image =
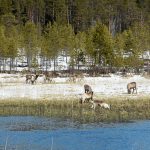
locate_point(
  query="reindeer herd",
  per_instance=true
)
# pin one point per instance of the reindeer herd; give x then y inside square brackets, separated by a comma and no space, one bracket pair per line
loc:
[87,96]
[32,78]
[49,78]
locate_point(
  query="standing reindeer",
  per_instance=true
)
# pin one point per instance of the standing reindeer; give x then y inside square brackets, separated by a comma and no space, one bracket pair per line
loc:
[131,86]
[34,78]
[28,78]
[31,78]
[87,88]
[46,78]
[86,97]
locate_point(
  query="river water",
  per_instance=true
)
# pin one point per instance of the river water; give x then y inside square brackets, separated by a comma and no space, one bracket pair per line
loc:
[38,133]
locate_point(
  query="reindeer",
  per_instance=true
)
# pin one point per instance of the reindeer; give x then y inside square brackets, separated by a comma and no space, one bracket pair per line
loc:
[130,86]
[49,77]
[46,78]
[28,78]
[34,78]
[86,97]
[87,88]
[99,103]
[71,79]
[31,78]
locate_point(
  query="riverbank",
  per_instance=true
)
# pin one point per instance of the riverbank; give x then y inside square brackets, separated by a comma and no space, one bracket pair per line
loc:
[121,111]
[61,98]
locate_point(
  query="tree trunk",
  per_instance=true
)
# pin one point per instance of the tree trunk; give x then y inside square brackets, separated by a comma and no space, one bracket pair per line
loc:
[148,67]
[16,66]
[46,63]
[29,61]
[54,64]
[0,65]
[10,65]
[3,64]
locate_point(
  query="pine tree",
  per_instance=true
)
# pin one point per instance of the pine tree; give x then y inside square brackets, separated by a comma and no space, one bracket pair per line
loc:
[30,41]
[119,45]
[103,44]
[131,49]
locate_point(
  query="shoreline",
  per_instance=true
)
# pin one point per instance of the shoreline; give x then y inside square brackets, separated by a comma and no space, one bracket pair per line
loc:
[121,111]
[77,97]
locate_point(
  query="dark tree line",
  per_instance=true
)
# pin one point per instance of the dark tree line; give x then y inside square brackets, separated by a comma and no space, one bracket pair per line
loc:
[117,15]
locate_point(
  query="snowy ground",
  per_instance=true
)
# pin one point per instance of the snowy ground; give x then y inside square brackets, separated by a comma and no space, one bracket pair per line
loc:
[14,86]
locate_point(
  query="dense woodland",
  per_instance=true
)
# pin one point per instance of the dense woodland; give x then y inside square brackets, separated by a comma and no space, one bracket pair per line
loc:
[102,30]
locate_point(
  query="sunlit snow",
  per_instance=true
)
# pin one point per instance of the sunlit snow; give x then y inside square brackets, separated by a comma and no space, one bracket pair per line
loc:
[14,86]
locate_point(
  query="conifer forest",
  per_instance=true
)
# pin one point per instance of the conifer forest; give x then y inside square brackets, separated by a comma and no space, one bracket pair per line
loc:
[94,33]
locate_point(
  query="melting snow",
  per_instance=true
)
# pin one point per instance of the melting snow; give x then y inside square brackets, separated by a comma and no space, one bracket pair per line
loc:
[14,86]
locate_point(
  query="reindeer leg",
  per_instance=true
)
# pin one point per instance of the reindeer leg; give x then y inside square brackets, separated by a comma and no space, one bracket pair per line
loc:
[27,80]
[133,91]
[94,106]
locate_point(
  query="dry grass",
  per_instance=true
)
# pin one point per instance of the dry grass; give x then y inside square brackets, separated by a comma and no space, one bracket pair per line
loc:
[121,110]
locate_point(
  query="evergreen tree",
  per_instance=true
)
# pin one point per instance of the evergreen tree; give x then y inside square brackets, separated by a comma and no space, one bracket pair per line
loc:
[119,45]
[103,44]
[79,48]
[30,41]
[131,50]
[52,45]
[2,42]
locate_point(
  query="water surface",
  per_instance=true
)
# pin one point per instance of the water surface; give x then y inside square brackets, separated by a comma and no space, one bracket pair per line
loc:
[37,133]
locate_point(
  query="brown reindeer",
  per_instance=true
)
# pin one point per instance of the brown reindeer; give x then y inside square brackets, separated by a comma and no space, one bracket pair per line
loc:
[71,79]
[48,78]
[87,88]
[131,86]
[99,103]
[28,78]
[86,97]
[31,78]
[34,78]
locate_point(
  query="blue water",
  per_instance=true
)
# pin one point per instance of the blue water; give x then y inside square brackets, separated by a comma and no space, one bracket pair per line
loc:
[35,133]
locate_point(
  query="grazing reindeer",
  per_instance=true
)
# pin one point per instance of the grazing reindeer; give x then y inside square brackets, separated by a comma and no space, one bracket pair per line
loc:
[49,77]
[34,78]
[30,78]
[46,78]
[130,86]
[87,88]
[99,103]
[71,79]
[86,96]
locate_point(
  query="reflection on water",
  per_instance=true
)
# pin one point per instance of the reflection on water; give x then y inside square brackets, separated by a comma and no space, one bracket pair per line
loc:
[35,133]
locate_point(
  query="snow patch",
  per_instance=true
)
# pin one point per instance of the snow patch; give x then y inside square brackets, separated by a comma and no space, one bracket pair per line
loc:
[14,86]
